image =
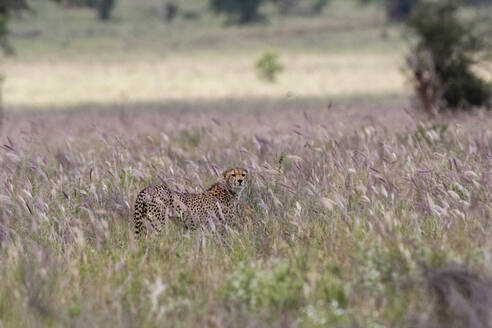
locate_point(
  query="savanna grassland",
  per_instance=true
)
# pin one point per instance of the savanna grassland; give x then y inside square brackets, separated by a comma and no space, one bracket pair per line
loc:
[361,213]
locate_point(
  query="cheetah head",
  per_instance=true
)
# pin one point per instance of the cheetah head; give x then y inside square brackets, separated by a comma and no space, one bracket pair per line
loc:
[236,178]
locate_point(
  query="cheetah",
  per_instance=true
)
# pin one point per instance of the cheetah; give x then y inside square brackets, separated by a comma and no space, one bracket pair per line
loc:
[155,204]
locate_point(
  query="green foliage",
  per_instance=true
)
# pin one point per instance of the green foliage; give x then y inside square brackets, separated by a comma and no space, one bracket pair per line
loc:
[238,11]
[268,66]
[260,289]
[331,287]
[443,58]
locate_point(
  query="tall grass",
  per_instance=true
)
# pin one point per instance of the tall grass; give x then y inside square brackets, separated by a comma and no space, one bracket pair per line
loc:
[368,228]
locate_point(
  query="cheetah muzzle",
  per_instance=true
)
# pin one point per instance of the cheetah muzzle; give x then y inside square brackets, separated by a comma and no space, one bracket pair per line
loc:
[155,204]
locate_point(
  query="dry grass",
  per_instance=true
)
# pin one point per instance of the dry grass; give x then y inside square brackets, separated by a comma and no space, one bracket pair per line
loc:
[179,78]
[347,228]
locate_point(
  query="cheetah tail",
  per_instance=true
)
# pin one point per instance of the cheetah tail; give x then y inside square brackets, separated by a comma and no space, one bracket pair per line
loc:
[139,214]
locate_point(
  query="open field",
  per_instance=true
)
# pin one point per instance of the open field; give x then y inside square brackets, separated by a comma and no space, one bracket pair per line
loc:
[66,58]
[362,213]
[366,228]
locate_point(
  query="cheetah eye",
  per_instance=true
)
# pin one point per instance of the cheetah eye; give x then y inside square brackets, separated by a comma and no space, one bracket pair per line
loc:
[233,175]
[244,175]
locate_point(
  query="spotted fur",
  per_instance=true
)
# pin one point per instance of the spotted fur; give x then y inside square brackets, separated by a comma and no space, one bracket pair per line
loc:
[155,204]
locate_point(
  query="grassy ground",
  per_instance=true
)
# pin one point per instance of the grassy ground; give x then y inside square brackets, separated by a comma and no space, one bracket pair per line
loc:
[370,229]
[360,214]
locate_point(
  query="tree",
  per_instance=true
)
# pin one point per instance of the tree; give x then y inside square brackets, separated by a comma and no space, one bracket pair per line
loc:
[238,11]
[443,58]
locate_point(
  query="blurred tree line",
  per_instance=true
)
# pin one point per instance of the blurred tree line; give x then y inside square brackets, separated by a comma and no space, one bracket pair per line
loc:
[396,10]
[103,7]
[247,11]
[400,10]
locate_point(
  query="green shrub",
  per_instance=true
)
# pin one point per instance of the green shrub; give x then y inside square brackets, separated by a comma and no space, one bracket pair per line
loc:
[268,66]
[442,60]
[278,288]
[331,289]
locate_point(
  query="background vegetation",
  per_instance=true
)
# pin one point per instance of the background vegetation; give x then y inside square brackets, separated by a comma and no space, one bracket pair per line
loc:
[360,214]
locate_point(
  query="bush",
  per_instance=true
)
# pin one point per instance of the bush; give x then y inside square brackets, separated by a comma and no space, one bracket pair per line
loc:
[442,59]
[268,66]
[238,11]
[260,289]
